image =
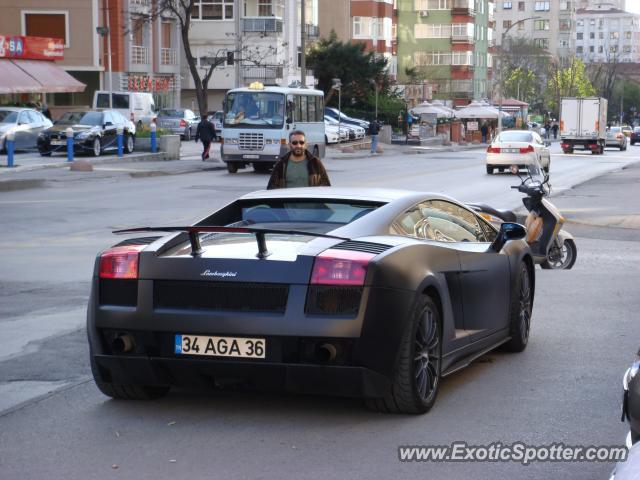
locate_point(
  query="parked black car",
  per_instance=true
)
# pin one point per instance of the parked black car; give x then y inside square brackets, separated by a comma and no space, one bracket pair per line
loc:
[631,401]
[635,136]
[94,132]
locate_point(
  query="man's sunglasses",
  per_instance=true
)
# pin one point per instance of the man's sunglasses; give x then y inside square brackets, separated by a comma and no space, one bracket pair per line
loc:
[297,142]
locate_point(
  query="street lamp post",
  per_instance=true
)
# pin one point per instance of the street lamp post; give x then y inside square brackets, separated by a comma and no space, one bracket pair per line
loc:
[106,32]
[502,38]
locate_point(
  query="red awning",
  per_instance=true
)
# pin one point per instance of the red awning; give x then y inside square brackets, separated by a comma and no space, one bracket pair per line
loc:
[36,76]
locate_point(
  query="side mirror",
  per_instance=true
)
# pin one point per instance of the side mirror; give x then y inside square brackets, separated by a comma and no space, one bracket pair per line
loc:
[108,124]
[508,231]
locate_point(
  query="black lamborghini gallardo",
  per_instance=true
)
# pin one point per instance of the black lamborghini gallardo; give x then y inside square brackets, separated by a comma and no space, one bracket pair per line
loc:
[359,292]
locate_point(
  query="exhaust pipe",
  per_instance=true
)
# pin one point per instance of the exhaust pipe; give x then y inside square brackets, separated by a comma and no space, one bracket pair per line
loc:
[327,352]
[122,344]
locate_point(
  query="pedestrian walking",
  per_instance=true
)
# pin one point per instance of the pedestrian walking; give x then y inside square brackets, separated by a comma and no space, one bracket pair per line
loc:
[555,129]
[206,133]
[298,167]
[374,130]
[484,130]
[409,125]
[547,130]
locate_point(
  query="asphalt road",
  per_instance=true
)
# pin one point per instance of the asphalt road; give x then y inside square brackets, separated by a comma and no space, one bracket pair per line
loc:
[564,388]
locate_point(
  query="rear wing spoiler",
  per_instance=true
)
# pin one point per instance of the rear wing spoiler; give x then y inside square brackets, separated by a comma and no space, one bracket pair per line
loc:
[195,231]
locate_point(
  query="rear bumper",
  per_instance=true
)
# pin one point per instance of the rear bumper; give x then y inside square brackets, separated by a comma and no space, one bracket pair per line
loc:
[510,159]
[346,381]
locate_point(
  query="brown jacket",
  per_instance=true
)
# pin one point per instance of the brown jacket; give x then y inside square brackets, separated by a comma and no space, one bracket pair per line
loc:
[317,174]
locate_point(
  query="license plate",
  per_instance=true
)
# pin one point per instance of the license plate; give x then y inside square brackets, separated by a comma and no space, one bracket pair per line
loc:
[251,156]
[511,150]
[220,346]
[58,142]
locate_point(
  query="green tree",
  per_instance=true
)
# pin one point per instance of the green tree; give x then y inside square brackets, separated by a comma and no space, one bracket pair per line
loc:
[522,84]
[571,81]
[331,58]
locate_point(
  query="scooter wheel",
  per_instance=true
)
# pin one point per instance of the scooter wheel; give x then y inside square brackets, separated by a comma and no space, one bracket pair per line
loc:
[565,260]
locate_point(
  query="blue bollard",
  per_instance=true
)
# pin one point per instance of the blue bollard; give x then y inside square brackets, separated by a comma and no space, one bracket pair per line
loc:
[10,148]
[154,139]
[119,131]
[69,133]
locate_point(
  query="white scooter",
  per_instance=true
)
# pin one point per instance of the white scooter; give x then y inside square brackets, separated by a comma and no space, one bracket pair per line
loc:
[552,247]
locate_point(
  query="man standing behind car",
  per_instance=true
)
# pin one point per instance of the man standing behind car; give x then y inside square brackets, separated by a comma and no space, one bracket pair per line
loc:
[207,133]
[374,129]
[298,167]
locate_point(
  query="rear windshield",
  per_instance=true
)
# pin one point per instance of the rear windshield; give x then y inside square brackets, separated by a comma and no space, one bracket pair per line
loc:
[171,113]
[615,129]
[515,137]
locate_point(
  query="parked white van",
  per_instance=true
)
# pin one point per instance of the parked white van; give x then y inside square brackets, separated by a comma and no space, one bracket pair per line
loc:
[138,107]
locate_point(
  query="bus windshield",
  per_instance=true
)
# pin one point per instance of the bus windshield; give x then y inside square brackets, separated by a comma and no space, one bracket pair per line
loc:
[257,109]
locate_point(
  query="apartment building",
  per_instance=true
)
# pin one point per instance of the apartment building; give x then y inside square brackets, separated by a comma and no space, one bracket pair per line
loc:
[607,34]
[264,37]
[73,21]
[549,24]
[371,22]
[448,43]
[145,50]
[619,4]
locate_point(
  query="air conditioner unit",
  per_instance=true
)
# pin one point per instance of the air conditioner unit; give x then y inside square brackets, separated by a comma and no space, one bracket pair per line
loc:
[424,13]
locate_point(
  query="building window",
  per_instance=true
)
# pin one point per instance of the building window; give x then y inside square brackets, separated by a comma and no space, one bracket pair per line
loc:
[137,32]
[541,42]
[521,6]
[579,35]
[579,23]
[541,25]
[507,6]
[592,35]
[614,35]
[506,24]
[627,35]
[600,49]
[421,5]
[613,49]
[212,10]
[357,26]
[542,7]
[579,49]
[565,6]
[265,8]
[46,24]
[626,49]
[601,35]
[565,25]
[521,26]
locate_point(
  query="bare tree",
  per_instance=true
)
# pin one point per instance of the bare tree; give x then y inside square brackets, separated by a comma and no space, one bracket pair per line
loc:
[181,10]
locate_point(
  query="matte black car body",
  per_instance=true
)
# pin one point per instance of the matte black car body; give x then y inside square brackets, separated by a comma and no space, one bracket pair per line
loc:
[92,139]
[471,284]
[631,401]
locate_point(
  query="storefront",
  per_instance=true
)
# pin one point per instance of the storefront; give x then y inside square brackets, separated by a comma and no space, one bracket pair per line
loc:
[28,70]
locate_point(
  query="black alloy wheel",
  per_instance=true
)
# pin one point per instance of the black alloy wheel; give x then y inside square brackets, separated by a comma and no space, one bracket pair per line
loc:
[520,311]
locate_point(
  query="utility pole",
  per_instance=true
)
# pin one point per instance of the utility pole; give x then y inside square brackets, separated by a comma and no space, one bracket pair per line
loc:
[238,43]
[109,56]
[303,44]
[504,35]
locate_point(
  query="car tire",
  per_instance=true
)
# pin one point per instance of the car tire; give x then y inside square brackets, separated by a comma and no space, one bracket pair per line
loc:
[187,134]
[568,151]
[130,144]
[489,170]
[635,436]
[572,255]
[45,154]
[520,310]
[415,392]
[97,147]
[126,392]
[232,167]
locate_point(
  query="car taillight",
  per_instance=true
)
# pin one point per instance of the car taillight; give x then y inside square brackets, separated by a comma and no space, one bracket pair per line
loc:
[340,267]
[120,262]
[493,150]
[619,136]
[528,149]
[183,122]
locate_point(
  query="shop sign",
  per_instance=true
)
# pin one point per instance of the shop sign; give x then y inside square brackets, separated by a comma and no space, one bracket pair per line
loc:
[31,48]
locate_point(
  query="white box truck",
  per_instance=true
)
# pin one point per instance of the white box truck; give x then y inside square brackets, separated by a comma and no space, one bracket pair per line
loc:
[583,124]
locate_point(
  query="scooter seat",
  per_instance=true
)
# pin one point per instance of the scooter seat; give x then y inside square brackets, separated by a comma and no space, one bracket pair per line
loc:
[504,215]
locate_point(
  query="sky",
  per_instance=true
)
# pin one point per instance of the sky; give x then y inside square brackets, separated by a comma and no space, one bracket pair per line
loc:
[633,6]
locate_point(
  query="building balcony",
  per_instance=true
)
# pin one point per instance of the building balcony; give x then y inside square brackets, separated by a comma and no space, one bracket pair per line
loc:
[262,24]
[463,7]
[268,74]
[168,56]
[139,6]
[462,38]
[139,55]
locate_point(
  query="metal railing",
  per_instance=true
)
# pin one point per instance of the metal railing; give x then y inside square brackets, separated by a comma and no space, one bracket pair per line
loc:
[262,24]
[168,56]
[268,74]
[139,55]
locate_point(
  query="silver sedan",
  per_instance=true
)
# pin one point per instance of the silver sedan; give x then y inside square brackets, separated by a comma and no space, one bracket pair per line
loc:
[25,123]
[180,121]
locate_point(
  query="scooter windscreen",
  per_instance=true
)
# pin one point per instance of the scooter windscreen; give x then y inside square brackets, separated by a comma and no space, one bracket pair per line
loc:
[535,173]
